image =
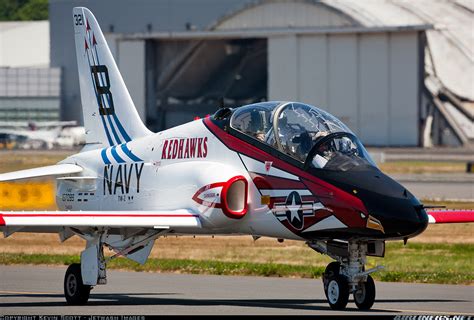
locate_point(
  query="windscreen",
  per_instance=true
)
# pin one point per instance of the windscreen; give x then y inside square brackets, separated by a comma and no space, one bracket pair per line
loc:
[294,129]
[299,126]
[339,152]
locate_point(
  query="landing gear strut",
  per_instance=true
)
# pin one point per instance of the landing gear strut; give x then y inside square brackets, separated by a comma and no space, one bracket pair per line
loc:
[347,275]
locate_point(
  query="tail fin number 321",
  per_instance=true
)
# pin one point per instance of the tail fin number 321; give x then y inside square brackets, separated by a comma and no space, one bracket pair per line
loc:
[78,21]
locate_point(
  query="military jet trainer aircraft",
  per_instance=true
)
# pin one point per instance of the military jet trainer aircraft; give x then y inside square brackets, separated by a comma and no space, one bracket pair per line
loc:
[285,170]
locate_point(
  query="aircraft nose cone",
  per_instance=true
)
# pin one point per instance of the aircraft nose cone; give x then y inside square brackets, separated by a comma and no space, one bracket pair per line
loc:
[393,211]
[407,220]
[422,219]
[399,212]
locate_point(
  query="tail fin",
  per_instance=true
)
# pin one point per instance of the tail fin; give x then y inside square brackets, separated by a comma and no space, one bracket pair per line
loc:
[110,117]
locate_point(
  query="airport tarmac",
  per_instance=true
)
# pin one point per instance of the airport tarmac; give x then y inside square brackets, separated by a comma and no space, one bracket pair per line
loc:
[38,290]
[450,191]
[453,186]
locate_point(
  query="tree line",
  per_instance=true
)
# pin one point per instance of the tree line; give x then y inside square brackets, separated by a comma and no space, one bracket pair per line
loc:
[23,10]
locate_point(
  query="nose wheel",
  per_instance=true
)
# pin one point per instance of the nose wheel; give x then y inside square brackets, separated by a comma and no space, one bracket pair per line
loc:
[364,297]
[337,292]
[332,270]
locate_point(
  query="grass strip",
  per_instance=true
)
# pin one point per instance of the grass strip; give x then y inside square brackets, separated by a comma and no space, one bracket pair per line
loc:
[175,265]
[416,262]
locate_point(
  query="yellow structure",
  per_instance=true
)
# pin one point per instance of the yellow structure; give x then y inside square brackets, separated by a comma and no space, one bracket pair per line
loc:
[27,195]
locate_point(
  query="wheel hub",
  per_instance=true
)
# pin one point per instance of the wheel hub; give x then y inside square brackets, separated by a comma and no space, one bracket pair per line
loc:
[359,295]
[71,284]
[333,292]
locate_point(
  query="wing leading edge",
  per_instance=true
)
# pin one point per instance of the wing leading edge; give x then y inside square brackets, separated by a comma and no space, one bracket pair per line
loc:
[54,170]
[450,216]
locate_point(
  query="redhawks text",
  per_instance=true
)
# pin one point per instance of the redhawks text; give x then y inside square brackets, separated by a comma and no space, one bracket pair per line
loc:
[184,148]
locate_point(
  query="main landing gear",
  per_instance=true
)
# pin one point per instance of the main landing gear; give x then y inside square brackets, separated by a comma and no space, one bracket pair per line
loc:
[347,275]
[81,278]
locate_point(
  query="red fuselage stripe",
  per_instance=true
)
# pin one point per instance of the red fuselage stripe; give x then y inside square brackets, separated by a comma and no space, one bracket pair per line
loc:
[313,183]
[251,151]
[270,182]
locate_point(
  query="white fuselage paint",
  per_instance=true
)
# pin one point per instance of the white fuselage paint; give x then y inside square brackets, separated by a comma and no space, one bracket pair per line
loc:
[176,164]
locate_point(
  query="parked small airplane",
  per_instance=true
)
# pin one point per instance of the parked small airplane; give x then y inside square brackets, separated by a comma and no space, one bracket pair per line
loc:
[285,170]
[44,135]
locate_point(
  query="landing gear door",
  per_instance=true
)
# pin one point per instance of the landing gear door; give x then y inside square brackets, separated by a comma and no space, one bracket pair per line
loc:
[376,248]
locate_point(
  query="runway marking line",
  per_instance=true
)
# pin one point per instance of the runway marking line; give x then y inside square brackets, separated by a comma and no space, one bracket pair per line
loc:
[28,292]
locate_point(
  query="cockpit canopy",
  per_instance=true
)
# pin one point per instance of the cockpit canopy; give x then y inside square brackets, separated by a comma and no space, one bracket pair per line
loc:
[303,132]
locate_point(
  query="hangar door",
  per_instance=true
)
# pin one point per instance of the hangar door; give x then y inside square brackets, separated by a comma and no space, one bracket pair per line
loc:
[188,78]
[371,81]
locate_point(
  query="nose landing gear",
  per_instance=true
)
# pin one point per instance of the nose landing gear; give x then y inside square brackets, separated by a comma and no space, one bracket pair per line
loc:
[347,275]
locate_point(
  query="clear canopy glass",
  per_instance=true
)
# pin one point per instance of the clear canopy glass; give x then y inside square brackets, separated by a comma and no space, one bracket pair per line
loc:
[296,129]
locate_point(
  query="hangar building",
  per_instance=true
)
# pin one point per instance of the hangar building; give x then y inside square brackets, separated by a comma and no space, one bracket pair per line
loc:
[29,88]
[385,68]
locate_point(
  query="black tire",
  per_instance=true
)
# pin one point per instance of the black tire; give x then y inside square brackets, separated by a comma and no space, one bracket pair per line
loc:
[75,291]
[364,297]
[332,269]
[338,292]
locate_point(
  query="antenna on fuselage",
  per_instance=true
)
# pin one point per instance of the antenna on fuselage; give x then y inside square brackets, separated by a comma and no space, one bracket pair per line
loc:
[222,102]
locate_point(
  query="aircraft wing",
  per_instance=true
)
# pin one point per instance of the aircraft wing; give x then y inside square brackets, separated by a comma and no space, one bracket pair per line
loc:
[130,233]
[450,216]
[54,221]
[54,170]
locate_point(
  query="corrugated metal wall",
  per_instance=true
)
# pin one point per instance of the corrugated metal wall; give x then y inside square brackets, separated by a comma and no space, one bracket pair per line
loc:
[369,80]
[281,14]
[29,94]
